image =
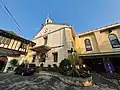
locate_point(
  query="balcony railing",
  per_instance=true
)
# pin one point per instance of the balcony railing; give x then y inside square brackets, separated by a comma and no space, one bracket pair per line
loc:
[13,46]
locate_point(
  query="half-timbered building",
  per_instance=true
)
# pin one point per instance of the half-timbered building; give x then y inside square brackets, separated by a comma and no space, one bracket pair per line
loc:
[12,46]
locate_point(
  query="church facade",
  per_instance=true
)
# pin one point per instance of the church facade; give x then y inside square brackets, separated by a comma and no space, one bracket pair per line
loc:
[52,43]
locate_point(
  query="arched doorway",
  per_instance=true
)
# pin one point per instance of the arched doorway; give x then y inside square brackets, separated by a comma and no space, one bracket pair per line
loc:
[3,61]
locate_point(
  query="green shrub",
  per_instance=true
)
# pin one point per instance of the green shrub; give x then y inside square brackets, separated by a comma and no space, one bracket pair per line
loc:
[65,67]
[14,62]
[64,62]
[54,65]
[49,66]
[41,65]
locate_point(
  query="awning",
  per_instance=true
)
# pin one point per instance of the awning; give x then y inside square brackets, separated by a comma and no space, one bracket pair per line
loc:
[42,48]
[100,54]
[3,59]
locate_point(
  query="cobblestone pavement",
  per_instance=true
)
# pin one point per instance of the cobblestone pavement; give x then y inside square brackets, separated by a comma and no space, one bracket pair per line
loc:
[40,82]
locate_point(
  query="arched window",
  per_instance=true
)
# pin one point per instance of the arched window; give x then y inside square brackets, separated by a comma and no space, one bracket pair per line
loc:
[88,45]
[114,41]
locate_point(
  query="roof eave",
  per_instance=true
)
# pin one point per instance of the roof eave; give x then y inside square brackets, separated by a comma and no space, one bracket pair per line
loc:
[99,29]
[4,31]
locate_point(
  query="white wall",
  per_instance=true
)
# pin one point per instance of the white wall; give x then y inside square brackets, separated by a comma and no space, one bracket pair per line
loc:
[55,39]
[20,60]
[62,53]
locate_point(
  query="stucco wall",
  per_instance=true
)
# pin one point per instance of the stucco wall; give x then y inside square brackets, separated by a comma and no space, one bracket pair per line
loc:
[104,43]
[55,39]
[20,60]
[61,55]
[66,38]
[69,38]
[99,39]
[49,28]
[80,45]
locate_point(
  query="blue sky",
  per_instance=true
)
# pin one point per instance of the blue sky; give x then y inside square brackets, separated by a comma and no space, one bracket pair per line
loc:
[82,14]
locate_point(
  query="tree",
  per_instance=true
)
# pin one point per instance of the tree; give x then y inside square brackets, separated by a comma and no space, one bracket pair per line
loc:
[74,59]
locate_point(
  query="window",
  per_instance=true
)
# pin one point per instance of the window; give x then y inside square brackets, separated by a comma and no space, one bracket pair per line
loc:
[55,56]
[88,45]
[47,20]
[45,40]
[42,57]
[114,41]
[23,45]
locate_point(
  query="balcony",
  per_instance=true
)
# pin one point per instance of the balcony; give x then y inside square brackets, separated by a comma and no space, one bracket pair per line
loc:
[41,49]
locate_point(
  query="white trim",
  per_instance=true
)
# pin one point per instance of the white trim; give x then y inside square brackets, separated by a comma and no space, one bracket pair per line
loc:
[116,49]
[51,32]
[100,54]
[99,29]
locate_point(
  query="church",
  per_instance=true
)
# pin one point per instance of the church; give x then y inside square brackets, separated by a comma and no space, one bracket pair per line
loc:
[98,48]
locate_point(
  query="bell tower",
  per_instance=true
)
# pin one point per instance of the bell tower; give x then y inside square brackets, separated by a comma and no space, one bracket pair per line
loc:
[48,20]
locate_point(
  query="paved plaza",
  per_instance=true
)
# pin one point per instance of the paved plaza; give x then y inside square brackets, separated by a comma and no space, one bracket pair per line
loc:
[9,81]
